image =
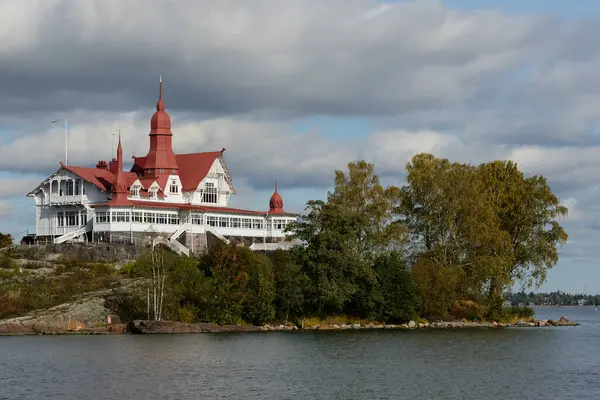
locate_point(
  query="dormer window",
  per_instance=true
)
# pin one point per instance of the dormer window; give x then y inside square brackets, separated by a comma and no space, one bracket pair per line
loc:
[152,193]
[174,188]
[135,191]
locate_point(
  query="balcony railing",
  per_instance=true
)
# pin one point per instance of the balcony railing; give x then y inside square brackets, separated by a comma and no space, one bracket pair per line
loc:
[74,199]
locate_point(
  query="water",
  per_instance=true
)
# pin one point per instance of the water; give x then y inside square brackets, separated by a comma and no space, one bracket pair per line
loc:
[555,363]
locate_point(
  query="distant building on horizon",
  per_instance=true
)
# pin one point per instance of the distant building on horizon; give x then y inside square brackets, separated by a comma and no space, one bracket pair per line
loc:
[168,198]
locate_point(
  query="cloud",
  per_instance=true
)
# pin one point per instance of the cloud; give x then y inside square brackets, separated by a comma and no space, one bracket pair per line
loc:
[252,56]
[467,85]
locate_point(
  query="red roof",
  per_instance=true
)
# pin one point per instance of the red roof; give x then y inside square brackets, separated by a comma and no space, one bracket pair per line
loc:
[100,178]
[193,167]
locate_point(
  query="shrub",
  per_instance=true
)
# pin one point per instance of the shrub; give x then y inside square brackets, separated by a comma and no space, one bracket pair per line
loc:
[516,312]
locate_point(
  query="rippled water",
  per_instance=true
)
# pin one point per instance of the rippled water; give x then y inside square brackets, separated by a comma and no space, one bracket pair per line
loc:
[551,363]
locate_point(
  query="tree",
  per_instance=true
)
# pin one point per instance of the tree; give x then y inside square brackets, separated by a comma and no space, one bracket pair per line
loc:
[396,292]
[6,240]
[261,290]
[228,279]
[290,284]
[455,240]
[488,225]
[528,212]
[344,235]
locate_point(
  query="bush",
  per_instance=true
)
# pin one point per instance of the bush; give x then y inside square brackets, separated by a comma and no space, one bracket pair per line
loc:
[516,313]
[6,262]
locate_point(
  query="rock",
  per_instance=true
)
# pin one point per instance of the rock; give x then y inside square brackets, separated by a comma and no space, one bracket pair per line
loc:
[521,323]
[157,327]
[14,329]
[412,324]
[563,320]
[356,326]
[494,324]
[421,326]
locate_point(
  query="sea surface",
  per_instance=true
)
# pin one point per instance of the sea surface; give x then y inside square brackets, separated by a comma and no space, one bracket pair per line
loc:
[525,363]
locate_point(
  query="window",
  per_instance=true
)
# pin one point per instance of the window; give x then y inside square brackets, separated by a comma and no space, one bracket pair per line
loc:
[101,217]
[135,191]
[247,223]
[153,193]
[149,217]
[161,218]
[77,185]
[279,223]
[173,171]
[61,218]
[162,170]
[69,185]
[197,219]
[257,224]
[120,216]
[234,222]
[212,221]
[82,189]
[136,216]
[223,222]
[173,219]
[174,188]
[210,193]
[54,187]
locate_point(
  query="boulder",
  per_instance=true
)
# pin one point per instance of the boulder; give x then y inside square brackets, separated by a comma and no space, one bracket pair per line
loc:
[412,324]
[356,326]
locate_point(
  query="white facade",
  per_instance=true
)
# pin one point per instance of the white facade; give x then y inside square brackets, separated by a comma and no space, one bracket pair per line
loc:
[69,208]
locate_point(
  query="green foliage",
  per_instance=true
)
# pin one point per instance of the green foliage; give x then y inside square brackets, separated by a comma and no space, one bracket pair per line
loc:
[344,235]
[6,240]
[261,291]
[395,291]
[6,262]
[40,292]
[476,230]
[291,284]
[516,313]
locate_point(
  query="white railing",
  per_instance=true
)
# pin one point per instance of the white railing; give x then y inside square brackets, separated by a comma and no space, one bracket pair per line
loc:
[173,245]
[211,229]
[272,246]
[178,233]
[72,234]
[74,199]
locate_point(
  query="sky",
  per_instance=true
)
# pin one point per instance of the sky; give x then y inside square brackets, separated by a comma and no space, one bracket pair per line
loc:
[296,89]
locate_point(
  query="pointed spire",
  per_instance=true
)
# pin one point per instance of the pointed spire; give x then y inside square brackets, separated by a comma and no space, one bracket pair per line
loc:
[160,105]
[275,185]
[120,150]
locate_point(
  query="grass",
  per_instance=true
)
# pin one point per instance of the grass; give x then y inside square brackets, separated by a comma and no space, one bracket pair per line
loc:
[19,297]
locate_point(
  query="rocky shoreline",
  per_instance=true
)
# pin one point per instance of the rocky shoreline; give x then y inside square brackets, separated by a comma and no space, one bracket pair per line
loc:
[26,327]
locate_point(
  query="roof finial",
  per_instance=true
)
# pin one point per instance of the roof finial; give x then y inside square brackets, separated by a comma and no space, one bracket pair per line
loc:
[275,184]
[160,105]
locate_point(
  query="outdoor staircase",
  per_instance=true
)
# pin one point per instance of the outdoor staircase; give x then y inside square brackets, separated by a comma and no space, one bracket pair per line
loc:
[174,245]
[215,232]
[178,233]
[73,234]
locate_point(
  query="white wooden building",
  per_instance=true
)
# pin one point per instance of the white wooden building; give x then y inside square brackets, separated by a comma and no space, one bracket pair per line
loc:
[174,199]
